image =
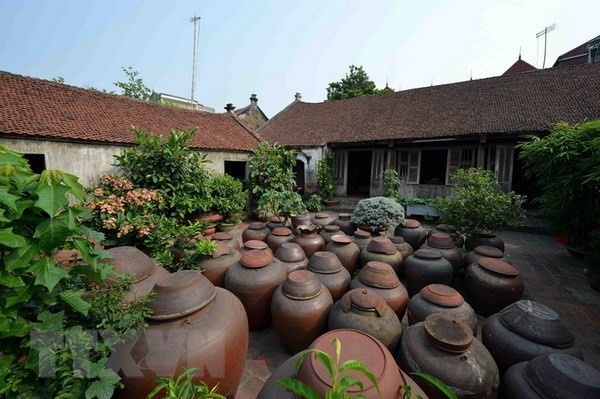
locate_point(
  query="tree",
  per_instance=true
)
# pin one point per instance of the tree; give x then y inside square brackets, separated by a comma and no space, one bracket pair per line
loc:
[355,84]
[134,87]
[59,79]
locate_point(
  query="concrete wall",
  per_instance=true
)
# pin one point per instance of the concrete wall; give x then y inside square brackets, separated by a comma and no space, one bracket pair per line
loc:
[218,159]
[310,157]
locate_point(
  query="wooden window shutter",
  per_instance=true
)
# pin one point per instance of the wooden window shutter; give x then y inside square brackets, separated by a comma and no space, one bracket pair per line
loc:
[414,163]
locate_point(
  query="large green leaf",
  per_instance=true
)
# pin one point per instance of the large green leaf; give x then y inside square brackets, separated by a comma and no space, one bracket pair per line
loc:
[49,321]
[20,258]
[73,298]
[104,387]
[3,219]
[10,281]
[18,328]
[72,182]
[8,199]
[52,234]
[4,323]
[437,383]
[51,198]
[19,294]
[47,273]
[10,239]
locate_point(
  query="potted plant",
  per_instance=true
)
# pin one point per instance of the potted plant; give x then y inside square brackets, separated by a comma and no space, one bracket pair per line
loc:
[377,214]
[229,199]
[280,203]
[326,179]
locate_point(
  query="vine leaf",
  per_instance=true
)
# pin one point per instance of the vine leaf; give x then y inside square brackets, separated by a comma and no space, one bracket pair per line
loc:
[51,198]
[47,273]
[21,257]
[73,298]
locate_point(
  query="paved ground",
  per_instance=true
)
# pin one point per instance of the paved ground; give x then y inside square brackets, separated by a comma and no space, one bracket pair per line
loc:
[551,275]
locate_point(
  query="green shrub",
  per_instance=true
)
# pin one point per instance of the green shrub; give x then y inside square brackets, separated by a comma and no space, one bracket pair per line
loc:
[391,184]
[280,203]
[314,203]
[378,212]
[271,169]
[326,176]
[228,195]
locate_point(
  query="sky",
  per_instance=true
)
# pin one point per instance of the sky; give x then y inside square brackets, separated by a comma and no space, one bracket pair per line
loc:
[279,47]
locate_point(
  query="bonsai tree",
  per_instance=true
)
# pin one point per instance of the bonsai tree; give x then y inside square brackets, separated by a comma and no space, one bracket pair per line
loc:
[378,213]
[325,177]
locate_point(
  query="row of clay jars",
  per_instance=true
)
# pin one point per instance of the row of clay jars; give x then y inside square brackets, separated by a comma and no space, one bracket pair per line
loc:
[381,249]
[292,257]
[412,232]
[309,240]
[330,272]
[345,223]
[424,267]
[444,244]
[255,231]
[278,236]
[216,265]
[483,251]
[458,238]
[445,347]
[347,251]
[328,232]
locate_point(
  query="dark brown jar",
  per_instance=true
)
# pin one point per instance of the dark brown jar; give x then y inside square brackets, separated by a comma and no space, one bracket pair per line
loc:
[300,308]
[487,238]
[458,238]
[381,249]
[444,244]
[328,232]
[524,330]
[278,236]
[330,272]
[253,280]
[206,327]
[309,240]
[275,222]
[298,220]
[216,265]
[439,298]
[483,251]
[362,238]
[444,347]
[292,257]
[255,231]
[492,285]
[255,245]
[347,252]
[424,267]
[402,246]
[344,221]
[412,232]
[554,375]
[228,239]
[380,278]
[321,220]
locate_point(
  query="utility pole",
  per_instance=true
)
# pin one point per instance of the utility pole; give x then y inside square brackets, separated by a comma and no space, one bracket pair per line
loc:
[195,19]
[544,32]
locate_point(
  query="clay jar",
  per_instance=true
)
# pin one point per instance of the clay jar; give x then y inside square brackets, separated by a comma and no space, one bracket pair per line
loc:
[347,252]
[291,256]
[458,238]
[298,220]
[555,375]
[207,329]
[309,240]
[424,267]
[363,310]
[228,239]
[300,308]
[330,272]
[328,232]
[492,285]
[524,330]
[486,238]
[278,236]
[445,347]
[275,222]
[255,245]
[344,221]
[255,231]
[253,280]
[443,243]
[412,232]
[483,251]
[216,265]
[380,278]
[381,249]
[402,246]
[439,298]
[362,238]
[321,220]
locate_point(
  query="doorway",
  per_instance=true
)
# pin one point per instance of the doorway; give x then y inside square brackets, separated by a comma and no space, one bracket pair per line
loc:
[359,173]
[299,176]
[433,167]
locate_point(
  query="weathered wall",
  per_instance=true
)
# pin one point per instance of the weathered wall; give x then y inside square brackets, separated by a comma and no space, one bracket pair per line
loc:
[310,157]
[218,159]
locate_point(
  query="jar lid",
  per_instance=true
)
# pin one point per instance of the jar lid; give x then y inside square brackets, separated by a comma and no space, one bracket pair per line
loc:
[256,258]
[536,322]
[426,253]
[331,228]
[381,245]
[222,236]
[440,240]
[180,294]
[397,239]
[341,239]
[131,261]
[411,224]
[379,275]
[363,299]
[255,244]
[277,219]
[442,295]
[324,263]
[281,231]
[257,225]
[290,252]
[442,227]
[301,285]
[362,234]
[322,215]
[498,266]
[222,249]
[558,375]
[448,333]
[307,228]
[490,252]
[344,215]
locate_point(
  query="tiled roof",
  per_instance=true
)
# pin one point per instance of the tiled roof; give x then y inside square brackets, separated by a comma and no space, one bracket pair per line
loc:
[523,102]
[35,108]
[518,67]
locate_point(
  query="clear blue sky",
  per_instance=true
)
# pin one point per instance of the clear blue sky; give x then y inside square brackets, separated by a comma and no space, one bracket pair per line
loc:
[276,48]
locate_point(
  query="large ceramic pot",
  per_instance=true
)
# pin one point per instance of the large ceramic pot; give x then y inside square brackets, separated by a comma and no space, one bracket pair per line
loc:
[555,375]
[444,244]
[483,251]
[487,238]
[275,222]
[328,232]
[363,310]
[362,238]
[492,285]
[255,231]
[355,345]
[321,220]
[300,309]
[253,280]
[402,246]
[381,249]
[292,257]
[438,298]
[330,272]
[216,265]
[424,267]
[309,240]
[344,221]
[206,328]
[347,252]
[444,347]
[228,239]
[255,245]
[380,278]
[525,330]
[412,232]
[279,235]
[458,238]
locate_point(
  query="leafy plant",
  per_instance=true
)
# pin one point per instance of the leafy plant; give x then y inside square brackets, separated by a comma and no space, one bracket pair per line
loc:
[436,383]
[391,184]
[184,387]
[228,195]
[271,169]
[314,203]
[280,203]
[356,84]
[478,204]
[134,87]
[378,212]
[205,247]
[326,176]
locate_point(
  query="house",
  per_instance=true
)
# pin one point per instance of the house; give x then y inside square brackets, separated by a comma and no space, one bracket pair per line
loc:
[251,115]
[176,101]
[585,53]
[519,66]
[79,131]
[428,133]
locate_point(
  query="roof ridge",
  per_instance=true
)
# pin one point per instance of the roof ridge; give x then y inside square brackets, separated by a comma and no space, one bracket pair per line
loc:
[252,133]
[277,115]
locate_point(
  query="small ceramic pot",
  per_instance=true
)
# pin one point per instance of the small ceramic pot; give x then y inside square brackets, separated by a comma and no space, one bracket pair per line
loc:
[344,221]
[444,244]
[329,270]
[255,231]
[255,245]
[458,238]
[292,257]
[216,265]
[278,236]
[347,252]
[412,232]
[484,251]
[381,249]
[424,267]
[328,232]
[321,220]
[362,238]
[309,240]
[402,246]
[487,238]
[228,239]
[275,222]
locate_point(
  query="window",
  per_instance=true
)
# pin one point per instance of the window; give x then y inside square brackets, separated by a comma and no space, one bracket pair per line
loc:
[460,158]
[37,162]
[236,169]
[407,165]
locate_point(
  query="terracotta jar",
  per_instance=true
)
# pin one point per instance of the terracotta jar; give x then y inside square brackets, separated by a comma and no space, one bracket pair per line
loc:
[344,221]
[412,232]
[321,220]
[328,232]
[278,236]
[483,251]
[381,249]
[300,308]
[458,238]
[355,345]
[228,239]
[255,245]
[402,246]
[555,375]
[216,265]
[206,328]
[330,272]
[347,252]
[424,267]
[487,238]
[291,256]
[525,330]
[444,347]
[439,298]
[253,280]
[362,238]
[444,244]
[492,285]
[255,231]
[144,271]
[309,240]
[380,278]
[275,222]
[298,220]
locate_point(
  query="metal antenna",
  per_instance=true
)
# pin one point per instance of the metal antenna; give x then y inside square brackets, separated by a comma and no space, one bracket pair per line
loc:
[195,19]
[544,32]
